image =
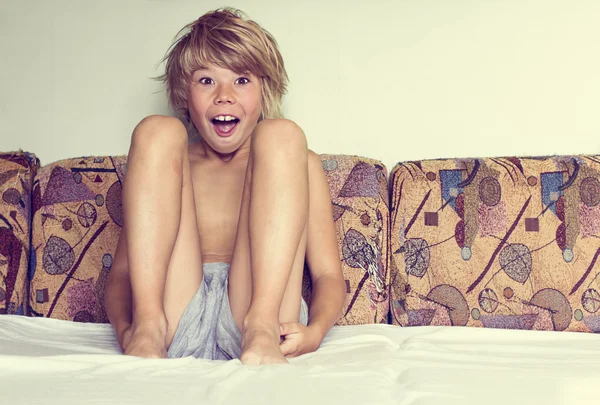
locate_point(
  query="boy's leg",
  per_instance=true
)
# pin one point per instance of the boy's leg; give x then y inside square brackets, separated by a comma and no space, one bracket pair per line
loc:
[163,245]
[266,271]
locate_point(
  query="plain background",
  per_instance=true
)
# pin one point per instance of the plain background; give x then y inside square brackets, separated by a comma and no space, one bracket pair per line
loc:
[392,80]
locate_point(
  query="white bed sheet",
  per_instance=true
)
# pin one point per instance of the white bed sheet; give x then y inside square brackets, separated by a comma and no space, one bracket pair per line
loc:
[47,361]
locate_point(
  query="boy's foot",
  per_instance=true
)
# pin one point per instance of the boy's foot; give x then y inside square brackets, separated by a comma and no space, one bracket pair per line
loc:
[260,345]
[148,341]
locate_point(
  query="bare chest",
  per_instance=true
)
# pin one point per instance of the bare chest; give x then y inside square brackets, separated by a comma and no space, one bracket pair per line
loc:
[218,192]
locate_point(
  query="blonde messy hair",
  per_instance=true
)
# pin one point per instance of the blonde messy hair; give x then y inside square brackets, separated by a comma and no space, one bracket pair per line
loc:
[228,39]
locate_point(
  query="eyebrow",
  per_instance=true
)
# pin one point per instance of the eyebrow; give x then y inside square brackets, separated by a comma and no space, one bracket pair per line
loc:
[208,70]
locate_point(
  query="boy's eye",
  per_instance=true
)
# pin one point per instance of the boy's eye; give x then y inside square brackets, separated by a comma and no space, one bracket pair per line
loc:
[242,80]
[206,80]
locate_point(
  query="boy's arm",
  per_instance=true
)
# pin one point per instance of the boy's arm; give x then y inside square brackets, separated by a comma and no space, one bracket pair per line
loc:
[322,253]
[117,294]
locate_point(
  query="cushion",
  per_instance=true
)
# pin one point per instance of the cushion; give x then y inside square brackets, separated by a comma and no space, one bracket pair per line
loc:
[77,221]
[497,242]
[17,170]
[359,194]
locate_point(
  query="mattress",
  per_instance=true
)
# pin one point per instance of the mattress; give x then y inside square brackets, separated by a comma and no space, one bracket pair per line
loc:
[48,361]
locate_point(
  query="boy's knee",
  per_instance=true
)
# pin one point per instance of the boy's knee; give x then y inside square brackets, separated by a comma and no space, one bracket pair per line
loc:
[279,135]
[160,131]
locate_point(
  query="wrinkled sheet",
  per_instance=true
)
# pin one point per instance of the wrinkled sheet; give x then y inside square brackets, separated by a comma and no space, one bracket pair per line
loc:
[48,361]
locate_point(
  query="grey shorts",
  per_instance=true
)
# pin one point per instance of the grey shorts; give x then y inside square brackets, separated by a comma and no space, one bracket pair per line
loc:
[207,329]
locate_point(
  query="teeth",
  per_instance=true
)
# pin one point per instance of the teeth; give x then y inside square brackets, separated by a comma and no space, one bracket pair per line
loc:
[224,118]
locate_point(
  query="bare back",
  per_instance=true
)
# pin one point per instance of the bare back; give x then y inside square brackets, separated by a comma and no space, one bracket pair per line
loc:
[218,188]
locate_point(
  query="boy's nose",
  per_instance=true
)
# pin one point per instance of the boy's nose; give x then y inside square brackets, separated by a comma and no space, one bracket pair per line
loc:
[224,95]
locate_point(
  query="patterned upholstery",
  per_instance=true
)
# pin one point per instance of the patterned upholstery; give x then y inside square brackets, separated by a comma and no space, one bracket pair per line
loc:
[502,243]
[77,221]
[16,176]
[359,194]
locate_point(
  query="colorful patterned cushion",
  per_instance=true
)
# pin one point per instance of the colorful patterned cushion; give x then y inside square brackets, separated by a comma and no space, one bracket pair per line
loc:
[16,176]
[501,243]
[77,221]
[359,194]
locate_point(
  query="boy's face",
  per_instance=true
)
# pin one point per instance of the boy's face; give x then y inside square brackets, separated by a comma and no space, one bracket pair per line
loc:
[224,106]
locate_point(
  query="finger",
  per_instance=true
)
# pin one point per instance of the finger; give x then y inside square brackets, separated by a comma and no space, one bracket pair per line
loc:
[288,347]
[288,328]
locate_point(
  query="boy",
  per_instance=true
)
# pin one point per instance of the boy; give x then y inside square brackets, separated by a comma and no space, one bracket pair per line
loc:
[210,258]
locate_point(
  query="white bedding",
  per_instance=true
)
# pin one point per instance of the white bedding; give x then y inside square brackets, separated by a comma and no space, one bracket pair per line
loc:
[47,361]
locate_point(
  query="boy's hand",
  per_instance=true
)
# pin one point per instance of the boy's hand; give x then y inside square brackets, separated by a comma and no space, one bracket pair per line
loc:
[298,339]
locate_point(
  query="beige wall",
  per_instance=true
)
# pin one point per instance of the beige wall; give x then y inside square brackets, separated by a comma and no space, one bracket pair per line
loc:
[393,80]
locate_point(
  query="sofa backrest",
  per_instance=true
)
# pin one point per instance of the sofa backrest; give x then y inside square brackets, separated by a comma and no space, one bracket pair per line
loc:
[360,198]
[496,242]
[16,178]
[500,242]
[77,219]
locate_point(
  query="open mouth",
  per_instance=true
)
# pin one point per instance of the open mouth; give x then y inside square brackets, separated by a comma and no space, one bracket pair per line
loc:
[225,124]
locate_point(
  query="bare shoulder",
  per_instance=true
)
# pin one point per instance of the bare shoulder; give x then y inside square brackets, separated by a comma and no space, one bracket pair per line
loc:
[319,187]
[314,156]
[318,184]
[315,167]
